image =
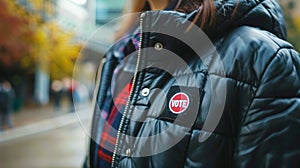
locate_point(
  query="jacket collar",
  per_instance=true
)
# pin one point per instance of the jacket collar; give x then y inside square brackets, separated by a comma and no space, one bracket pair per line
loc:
[230,14]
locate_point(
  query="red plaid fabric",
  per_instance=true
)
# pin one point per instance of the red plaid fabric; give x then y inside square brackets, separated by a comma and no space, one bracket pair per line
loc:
[110,129]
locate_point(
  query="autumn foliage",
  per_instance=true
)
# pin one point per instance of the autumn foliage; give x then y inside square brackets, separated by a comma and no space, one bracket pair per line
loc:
[292,19]
[27,40]
[15,35]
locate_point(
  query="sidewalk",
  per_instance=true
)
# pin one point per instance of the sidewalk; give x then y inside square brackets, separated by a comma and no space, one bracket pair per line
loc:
[36,119]
[33,113]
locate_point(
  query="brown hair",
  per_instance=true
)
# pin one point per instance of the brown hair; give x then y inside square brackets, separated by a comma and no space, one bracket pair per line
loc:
[206,10]
[205,16]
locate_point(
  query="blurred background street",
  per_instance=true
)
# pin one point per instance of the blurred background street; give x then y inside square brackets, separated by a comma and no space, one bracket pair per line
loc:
[61,147]
[46,140]
[50,51]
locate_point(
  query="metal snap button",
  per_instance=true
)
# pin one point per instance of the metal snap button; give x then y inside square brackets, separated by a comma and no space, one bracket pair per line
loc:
[158,46]
[145,92]
[128,152]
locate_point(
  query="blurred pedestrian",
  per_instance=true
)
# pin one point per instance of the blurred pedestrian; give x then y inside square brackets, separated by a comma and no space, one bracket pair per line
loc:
[7,96]
[70,88]
[57,92]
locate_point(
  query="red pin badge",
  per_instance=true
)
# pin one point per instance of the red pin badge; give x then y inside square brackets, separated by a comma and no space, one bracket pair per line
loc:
[179,103]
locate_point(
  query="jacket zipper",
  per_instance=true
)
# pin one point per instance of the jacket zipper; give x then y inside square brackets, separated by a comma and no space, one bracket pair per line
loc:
[130,95]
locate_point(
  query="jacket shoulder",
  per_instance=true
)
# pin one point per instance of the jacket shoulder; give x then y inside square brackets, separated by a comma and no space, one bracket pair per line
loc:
[246,52]
[255,35]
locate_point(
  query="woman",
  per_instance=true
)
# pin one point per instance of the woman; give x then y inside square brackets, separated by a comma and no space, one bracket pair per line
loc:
[170,97]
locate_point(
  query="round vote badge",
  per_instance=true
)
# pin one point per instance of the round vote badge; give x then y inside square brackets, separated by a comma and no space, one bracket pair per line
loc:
[179,103]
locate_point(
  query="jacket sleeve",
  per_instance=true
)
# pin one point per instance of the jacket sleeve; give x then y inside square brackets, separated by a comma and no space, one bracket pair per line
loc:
[270,130]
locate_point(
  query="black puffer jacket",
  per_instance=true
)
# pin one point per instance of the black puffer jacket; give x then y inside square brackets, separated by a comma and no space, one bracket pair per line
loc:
[192,106]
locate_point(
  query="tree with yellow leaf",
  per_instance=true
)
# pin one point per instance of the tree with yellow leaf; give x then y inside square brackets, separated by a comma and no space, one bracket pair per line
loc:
[55,51]
[29,38]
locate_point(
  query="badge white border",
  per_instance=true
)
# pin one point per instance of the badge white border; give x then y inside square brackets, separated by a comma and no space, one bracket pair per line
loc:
[188,99]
